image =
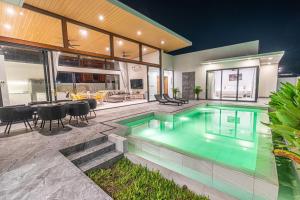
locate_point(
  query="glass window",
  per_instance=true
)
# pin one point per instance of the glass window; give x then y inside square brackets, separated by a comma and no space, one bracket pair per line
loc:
[154,82]
[88,40]
[247,84]
[126,49]
[214,84]
[64,85]
[66,59]
[150,55]
[229,84]
[22,71]
[31,26]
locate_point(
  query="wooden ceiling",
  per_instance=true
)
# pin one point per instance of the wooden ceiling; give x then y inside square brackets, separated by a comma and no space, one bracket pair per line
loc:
[118,19]
[24,24]
[93,41]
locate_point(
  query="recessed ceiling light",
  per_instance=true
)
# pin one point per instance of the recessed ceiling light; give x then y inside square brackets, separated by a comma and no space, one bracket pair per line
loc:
[21,13]
[107,49]
[10,11]
[101,17]
[120,42]
[7,26]
[144,49]
[59,53]
[162,42]
[139,32]
[83,32]
[270,58]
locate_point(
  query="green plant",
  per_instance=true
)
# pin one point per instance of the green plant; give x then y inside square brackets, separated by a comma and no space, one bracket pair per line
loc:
[126,180]
[175,91]
[285,120]
[197,91]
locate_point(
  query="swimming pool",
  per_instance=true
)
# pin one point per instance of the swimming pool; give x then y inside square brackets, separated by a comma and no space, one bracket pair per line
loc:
[227,137]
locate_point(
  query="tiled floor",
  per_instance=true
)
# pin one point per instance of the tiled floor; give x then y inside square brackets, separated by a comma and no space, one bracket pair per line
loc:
[31,166]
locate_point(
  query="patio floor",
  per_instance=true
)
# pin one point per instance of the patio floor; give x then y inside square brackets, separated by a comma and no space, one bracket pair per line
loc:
[31,167]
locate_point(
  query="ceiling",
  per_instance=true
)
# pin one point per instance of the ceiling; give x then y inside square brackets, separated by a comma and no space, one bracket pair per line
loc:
[118,18]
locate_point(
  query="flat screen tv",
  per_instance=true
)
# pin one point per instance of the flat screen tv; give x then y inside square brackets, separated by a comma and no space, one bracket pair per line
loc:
[136,83]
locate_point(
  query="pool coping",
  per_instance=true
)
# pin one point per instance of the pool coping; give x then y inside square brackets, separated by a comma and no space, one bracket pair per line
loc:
[122,130]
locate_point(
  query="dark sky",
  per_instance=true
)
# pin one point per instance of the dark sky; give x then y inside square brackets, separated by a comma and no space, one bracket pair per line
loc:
[215,23]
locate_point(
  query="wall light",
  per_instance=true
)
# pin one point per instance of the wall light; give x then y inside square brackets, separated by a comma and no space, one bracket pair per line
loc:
[145,49]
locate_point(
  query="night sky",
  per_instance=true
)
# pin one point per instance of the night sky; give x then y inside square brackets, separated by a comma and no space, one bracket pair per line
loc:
[210,24]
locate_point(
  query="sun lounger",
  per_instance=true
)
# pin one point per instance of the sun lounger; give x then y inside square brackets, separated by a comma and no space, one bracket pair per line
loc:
[172,100]
[180,99]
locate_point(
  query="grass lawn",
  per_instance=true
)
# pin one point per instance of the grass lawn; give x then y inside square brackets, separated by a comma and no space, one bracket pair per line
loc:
[126,180]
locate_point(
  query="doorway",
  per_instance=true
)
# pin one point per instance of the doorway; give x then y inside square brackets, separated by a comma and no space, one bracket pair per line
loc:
[188,85]
[168,82]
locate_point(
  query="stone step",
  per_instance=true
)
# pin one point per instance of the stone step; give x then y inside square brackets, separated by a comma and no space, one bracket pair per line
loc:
[84,145]
[103,161]
[90,153]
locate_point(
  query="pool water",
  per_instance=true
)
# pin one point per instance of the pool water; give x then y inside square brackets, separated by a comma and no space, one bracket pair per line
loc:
[225,135]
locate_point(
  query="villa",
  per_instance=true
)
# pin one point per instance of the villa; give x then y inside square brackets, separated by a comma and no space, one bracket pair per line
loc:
[101,57]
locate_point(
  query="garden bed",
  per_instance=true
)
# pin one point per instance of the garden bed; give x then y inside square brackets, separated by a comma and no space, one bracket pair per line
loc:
[126,180]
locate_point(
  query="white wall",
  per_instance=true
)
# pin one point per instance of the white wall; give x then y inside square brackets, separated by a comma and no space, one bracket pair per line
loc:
[167,61]
[267,80]
[292,80]
[136,71]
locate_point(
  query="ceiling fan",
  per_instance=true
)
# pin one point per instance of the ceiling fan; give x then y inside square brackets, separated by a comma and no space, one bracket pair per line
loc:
[125,55]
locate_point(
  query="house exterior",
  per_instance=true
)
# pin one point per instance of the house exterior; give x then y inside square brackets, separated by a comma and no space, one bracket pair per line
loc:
[55,50]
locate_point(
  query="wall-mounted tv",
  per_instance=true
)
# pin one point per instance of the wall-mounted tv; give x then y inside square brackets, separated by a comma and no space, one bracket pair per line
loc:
[136,83]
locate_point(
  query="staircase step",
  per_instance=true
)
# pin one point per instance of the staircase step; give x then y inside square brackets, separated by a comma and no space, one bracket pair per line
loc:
[90,153]
[103,161]
[84,145]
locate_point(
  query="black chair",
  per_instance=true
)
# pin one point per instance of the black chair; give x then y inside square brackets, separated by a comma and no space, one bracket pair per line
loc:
[50,113]
[79,109]
[34,106]
[160,100]
[183,100]
[179,103]
[93,105]
[10,114]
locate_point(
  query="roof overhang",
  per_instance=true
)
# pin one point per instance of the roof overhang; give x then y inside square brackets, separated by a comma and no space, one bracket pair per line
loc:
[119,19]
[265,58]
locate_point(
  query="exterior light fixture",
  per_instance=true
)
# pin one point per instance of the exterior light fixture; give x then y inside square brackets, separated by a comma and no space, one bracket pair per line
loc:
[120,42]
[10,11]
[101,17]
[7,27]
[83,32]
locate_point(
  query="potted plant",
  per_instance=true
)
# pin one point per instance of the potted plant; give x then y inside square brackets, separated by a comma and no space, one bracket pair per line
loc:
[197,91]
[175,91]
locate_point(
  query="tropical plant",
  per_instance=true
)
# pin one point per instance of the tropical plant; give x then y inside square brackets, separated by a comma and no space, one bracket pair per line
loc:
[175,91]
[197,91]
[285,120]
[126,180]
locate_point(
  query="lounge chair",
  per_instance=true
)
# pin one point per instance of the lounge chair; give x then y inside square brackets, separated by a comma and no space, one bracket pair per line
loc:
[179,103]
[160,100]
[180,99]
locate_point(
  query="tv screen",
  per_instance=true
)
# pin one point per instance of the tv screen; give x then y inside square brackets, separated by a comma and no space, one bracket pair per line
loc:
[136,83]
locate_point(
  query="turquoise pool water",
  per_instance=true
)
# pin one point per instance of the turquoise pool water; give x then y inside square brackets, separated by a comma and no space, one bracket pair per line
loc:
[225,135]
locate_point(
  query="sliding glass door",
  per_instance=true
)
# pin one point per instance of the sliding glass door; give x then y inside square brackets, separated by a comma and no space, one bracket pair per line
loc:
[22,75]
[236,84]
